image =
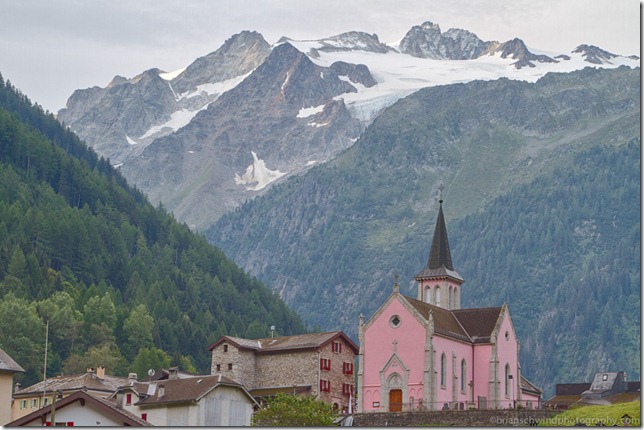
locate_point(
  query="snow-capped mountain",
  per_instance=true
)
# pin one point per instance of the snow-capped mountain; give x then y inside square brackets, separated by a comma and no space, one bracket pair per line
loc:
[203,139]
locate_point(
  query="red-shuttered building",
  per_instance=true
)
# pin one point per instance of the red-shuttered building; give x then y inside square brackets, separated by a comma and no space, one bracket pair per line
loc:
[317,364]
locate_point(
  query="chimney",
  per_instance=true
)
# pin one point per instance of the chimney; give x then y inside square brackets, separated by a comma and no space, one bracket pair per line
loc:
[17,387]
[173,373]
[119,398]
[272,331]
[161,391]
[132,378]
[90,370]
[100,372]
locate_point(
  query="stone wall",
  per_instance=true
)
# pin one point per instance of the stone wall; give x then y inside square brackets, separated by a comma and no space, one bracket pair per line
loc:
[475,418]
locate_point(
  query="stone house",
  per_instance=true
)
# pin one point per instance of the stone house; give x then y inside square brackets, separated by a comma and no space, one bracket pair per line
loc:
[426,353]
[316,364]
[7,369]
[34,397]
[605,389]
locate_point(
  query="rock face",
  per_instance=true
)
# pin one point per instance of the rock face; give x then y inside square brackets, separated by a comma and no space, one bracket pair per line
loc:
[427,41]
[278,121]
[204,139]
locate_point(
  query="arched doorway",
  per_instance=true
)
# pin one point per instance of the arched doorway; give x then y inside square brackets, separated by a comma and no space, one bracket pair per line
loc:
[395,400]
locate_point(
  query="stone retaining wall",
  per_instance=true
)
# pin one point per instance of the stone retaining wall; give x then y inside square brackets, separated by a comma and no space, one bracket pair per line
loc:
[476,418]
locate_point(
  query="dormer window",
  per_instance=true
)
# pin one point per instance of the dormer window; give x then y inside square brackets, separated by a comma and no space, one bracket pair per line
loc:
[605,377]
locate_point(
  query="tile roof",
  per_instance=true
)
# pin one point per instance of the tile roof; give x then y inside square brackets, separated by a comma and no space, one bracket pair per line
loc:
[184,389]
[105,406]
[89,380]
[529,386]
[285,343]
[8,364]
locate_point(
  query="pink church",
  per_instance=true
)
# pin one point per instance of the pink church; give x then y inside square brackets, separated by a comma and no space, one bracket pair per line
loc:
[428,353]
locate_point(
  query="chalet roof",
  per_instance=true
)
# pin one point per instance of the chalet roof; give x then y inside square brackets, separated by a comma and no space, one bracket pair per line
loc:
[106,407]
[286,343]
[89,381]
[439,263]
[186,389]
[472,325]
[8,364]
[604,381]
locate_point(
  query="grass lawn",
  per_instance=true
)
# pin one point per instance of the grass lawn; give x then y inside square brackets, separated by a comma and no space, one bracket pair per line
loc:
[593,415]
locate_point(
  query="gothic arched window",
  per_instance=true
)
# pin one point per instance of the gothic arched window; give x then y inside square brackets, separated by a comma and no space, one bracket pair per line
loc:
[463,375]
[443,370]
[450,303]
[507,379]
[437,295]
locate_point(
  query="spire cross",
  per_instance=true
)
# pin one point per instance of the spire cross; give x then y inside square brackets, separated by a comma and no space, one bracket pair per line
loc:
[395,342]
[441,187]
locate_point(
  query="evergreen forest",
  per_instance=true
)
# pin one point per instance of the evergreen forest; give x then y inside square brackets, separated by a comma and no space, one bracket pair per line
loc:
[88,263]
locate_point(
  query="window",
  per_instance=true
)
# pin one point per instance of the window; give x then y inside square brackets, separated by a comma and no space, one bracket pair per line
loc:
[34,403]
[463,375]
[443,370]
[225,348]
[219,368]
[605,377]
[230,366]
[451,298]
[336,347]
[394,321]
[507,380]
[325,364]
[347,389]
[128,399]
[144,417]
[347,368]
[437,294]
[23,404]
[325,385]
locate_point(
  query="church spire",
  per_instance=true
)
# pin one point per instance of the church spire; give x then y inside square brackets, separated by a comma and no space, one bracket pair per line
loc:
[438,282]
[440,255]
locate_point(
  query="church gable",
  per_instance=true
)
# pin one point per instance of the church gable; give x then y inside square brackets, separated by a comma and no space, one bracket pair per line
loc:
[391,306]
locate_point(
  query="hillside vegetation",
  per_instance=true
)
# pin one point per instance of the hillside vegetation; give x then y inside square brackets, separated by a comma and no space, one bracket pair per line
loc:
[121,282]
[542,203]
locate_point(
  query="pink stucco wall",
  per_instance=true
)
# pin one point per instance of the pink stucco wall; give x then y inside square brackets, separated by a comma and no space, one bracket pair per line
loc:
[507,353]
[410,338]
[379,348]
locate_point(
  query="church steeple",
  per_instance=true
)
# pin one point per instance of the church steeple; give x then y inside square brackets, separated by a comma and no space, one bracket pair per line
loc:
[439,275]
[440,255]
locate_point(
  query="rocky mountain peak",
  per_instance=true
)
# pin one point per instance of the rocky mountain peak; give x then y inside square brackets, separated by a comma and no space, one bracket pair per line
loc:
[516,50]
[427,41]
[594,55]
[238,55]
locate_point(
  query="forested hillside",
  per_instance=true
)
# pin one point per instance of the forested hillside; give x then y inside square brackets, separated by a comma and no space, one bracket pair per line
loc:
[122,283]
[541,203]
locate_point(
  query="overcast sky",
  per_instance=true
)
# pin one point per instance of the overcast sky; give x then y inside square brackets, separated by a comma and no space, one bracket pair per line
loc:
[49,48]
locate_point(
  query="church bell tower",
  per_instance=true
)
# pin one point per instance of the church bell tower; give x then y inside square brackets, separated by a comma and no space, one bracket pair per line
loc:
[438,283]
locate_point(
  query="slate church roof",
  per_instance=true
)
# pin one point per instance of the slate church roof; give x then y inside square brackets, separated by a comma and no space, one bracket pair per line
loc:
[472,325]
[440,257]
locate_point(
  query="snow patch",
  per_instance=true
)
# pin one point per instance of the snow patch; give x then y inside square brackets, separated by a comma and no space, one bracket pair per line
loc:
[310,163]
[257,174]
[168,76]
[177,120]
[215,88]
[131,141]
[310,111]
[317,124]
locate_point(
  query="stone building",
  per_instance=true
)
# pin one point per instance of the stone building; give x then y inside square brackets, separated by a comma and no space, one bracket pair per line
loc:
[317,364]
[426,353]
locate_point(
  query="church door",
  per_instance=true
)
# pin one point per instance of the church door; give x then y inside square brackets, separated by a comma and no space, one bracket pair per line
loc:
[395,400]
